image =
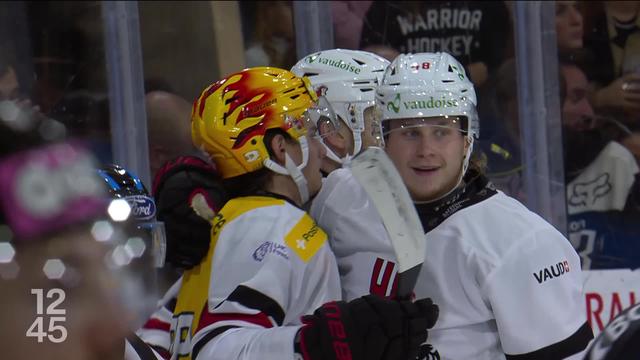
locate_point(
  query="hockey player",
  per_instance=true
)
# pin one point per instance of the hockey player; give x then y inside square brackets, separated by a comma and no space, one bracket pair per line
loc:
[347,79]
[619,340]
[268,263]
[188,193]
[352,96]
[496,268]
[123,185]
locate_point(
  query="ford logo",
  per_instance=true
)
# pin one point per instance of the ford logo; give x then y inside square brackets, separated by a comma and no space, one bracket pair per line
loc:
[142,207]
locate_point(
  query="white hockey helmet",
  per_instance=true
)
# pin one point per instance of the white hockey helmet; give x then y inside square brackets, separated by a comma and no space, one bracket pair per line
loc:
[428,85]
[348,79]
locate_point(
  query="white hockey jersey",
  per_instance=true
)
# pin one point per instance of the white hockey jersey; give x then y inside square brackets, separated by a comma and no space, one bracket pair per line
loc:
[136,349]
[268,264]
[156,331]
[358,239]
[507,283]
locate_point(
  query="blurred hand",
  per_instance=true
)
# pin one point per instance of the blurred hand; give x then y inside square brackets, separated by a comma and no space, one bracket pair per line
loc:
[622,94]
[632,143]
[20,114]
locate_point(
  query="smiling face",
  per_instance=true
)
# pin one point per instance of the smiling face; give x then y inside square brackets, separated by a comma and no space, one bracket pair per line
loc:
[428,154]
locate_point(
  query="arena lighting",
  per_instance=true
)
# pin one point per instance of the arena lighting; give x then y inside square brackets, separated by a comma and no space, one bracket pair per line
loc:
[119,210]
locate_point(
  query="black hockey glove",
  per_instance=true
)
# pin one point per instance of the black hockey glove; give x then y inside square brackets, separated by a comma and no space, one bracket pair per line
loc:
[367,328]
[188,193]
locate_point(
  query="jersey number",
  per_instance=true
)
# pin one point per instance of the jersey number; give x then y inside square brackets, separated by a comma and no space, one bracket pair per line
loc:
[181,335]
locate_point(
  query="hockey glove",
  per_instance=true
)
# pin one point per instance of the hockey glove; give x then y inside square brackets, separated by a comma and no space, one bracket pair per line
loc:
[188,193]
[367,328]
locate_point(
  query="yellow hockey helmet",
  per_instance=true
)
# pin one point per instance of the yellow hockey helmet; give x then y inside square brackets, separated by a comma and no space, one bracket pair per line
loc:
[230,118]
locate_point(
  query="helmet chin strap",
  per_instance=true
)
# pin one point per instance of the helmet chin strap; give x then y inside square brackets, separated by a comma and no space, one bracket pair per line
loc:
[465,166]
[294,171]
[357,145]
[357,141]
[332,155]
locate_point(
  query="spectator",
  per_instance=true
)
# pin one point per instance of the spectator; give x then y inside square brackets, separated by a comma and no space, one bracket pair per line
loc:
[347,22]
[613,43]
[585,134]
[274,38]
[602,180]
[12,94]
[500,138]
[9,87]
[569,26]
[169,128]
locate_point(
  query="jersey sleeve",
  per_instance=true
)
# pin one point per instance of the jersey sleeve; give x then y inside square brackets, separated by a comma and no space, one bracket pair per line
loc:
[259,291]
[537,297]
[136,349]
[357,236]
[156,330]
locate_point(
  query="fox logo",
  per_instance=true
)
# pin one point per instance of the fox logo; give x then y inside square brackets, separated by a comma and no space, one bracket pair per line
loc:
[588,193]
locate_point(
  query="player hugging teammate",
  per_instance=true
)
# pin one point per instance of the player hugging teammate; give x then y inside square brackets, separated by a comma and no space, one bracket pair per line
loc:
[268,283]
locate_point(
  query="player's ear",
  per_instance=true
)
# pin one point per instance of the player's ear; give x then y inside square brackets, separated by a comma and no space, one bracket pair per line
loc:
[278,147]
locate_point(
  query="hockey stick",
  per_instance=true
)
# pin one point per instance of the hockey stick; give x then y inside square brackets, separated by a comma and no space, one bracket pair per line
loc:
[380,179]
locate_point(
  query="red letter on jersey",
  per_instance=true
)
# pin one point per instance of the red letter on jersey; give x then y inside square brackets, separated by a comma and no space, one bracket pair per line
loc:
[381,277]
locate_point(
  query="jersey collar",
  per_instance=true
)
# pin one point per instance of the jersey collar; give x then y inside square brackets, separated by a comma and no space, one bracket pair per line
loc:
[476,189]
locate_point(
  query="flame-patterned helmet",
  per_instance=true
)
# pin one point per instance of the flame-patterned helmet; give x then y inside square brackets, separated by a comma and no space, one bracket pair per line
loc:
[231,117]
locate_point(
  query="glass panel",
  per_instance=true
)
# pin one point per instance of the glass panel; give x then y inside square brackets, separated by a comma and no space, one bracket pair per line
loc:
[465,29]
[599,52]
[188,45]
[269,33]
[599,46]
[53,65]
